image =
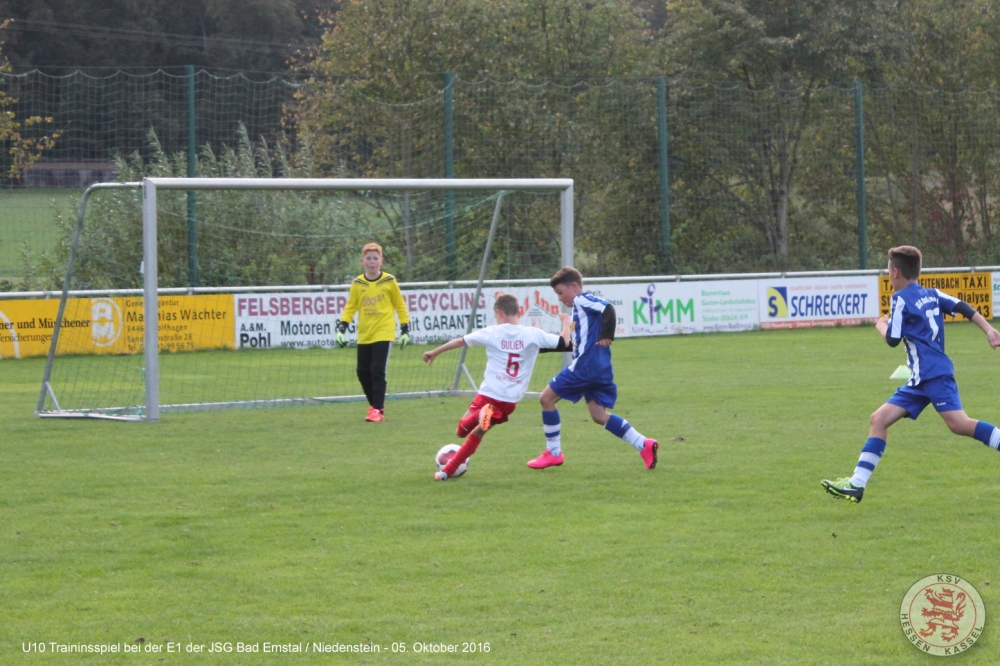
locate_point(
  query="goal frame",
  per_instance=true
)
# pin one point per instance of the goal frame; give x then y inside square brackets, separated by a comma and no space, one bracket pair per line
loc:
[151,185]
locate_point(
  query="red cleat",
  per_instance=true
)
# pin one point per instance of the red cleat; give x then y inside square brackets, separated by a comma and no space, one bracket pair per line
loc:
[375,415]
[546,460]
[648,453]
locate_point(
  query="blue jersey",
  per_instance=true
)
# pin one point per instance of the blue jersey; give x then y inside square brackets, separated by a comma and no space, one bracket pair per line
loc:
[917,318]
[591,361]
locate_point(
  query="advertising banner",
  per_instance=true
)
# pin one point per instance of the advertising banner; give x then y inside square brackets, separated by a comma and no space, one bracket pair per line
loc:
[670,308]
[114,325]
[976,289]
[439,315]
[809,302]
[26,327]
[436,315]
[288,319]
[303,320]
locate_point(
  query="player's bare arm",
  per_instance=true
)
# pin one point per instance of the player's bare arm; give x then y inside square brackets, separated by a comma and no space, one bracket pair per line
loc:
[565,336]
[567,329]
[992,335]
[451,344]
[882,325]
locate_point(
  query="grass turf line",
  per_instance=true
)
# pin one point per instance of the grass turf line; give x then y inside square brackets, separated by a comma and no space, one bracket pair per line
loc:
[308,524]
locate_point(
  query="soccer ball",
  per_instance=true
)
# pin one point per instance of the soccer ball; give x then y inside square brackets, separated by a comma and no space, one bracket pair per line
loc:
[445,454]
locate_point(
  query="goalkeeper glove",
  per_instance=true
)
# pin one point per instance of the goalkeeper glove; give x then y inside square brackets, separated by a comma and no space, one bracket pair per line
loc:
[341,338]
[404,335]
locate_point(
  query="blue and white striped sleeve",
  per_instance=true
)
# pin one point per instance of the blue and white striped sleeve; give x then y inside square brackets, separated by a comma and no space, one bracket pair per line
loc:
[894,333]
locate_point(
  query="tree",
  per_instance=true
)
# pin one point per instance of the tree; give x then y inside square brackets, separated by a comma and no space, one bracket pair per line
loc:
[61,35]
[935,131]
[537,93]
[21,139]
[779,53]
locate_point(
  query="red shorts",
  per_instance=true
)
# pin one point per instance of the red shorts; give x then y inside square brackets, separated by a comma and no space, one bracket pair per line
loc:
[501,409]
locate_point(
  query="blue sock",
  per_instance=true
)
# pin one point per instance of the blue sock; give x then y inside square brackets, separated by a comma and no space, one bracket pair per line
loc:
[551,425]
[871,453]
[988,434]
[619,427]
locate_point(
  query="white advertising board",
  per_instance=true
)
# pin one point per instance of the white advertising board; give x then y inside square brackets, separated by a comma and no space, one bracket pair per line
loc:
[826,301]
[302,320]
[287,319]
[670,308]
[438,315]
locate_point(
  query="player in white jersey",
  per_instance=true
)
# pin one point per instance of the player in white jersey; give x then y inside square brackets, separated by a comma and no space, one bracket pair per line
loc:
[511,351]
[916,320]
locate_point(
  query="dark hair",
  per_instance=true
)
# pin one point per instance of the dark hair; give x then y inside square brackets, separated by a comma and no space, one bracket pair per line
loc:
[906,259]
[507,304]
[565,275]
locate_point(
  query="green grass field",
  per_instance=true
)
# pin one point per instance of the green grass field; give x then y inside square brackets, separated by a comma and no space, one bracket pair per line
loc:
[29,216]
[308,525]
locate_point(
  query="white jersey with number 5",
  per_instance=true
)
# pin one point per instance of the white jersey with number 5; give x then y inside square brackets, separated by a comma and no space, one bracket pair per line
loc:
[511,350]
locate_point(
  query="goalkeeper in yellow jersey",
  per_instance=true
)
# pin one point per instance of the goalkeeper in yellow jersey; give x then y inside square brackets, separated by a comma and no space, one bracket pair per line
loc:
[375,296]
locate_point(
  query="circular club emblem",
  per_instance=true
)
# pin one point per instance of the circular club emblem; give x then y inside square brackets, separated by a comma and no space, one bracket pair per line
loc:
[105,321]
[942,615]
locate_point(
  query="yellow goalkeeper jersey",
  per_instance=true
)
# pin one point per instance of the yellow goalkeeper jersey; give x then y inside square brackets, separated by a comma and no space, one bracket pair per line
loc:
[375,301]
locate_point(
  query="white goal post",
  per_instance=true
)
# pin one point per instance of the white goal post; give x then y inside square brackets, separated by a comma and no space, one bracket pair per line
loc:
[150,282]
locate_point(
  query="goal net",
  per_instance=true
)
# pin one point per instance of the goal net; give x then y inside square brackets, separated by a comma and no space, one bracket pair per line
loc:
[210,293]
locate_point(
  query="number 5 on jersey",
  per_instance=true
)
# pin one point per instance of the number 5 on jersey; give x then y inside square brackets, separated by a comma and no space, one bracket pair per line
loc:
[513,364]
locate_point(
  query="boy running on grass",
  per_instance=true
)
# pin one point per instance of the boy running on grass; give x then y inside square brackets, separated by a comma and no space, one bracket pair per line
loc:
[511,350]
[589,376]
[916,319]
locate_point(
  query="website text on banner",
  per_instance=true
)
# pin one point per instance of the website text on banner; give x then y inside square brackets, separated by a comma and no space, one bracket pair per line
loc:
[976,289]
[810,302]
[114,325]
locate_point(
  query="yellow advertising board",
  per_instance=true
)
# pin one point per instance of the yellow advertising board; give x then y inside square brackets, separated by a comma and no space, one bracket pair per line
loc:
[115,325]
[976,289]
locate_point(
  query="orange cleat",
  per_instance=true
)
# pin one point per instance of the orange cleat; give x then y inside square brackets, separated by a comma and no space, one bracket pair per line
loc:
[375,415]
[485,416]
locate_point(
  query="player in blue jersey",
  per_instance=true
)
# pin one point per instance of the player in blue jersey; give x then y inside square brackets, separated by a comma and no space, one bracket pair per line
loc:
[589,376]
[916,318]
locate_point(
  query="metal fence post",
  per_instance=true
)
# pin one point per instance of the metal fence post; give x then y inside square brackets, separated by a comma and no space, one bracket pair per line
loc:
[859,147]
[192,171]
[449,171]
[661,116]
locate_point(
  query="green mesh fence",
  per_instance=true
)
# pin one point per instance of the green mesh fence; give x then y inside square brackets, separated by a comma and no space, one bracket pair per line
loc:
[101,118]
[758,180]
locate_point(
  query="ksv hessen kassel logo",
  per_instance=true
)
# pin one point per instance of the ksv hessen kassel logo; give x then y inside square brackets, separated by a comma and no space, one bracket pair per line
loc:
[942,615]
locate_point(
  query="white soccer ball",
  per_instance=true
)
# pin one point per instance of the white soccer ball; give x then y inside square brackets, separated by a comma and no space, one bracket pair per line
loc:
[444,454]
